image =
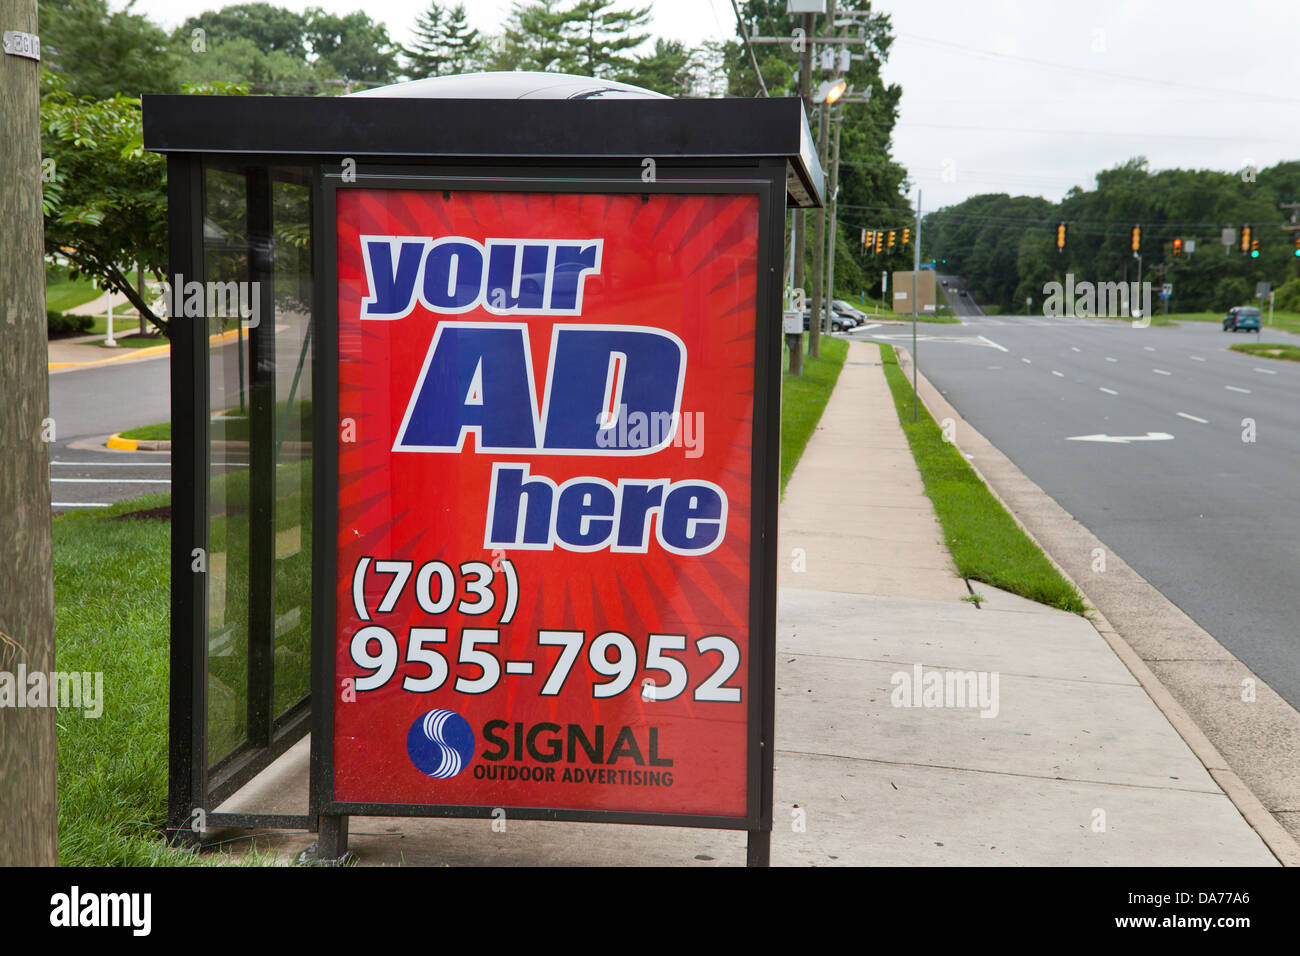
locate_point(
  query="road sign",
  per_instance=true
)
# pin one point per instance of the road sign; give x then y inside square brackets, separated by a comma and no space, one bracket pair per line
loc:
[1228,237]
[1189,246]
[1166,290]
[1261,289]
[544,571]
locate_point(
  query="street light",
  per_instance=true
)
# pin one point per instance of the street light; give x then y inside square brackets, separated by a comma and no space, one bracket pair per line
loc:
[831,90]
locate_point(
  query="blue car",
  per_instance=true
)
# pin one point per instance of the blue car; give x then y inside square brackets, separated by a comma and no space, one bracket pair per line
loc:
[1244,317]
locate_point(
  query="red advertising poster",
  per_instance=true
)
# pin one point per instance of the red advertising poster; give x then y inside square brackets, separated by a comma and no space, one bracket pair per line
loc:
[544,515]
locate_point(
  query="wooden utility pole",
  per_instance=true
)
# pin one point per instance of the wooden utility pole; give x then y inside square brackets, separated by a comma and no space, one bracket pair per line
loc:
[28,822]
[805,93]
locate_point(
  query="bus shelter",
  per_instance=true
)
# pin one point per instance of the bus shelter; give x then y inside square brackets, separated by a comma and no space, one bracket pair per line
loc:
[475,402]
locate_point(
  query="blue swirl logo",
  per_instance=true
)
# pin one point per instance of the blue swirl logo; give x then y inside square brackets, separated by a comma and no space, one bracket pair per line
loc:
[440,743]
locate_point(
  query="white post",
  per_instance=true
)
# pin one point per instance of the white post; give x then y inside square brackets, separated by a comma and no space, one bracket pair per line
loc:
[1270,307]
[109,341]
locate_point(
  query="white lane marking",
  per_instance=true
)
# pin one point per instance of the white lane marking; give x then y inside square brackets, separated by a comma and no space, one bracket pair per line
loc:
[863,329]
[1109,359]
[1000,348]
[1124,439]
[77,504]
[1108,391]
[1026,361]
[1073,349]
[1160,371]
[1234,388]
[1148,348]
[1197,358]
[113,481]
[1267,371]
[1057,374]
[120,464]
[1193,418]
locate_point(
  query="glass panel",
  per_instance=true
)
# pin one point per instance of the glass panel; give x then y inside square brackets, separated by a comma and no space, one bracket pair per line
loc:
[291,222]
[225,258]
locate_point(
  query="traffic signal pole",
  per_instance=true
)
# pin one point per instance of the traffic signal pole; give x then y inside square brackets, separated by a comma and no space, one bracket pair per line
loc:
[835,181]
[916,267]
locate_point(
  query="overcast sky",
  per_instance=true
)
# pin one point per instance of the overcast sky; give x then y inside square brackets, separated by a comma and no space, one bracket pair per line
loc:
[1027,96]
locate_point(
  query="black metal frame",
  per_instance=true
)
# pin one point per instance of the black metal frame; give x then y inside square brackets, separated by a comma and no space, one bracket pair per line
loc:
[765,179]
[193,784]
[719,146]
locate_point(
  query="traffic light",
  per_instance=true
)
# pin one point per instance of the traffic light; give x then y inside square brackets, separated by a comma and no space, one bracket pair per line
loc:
[1178,248]
[1254,248]
[1245,238]
[1135,240]
[1297,246]
[868,240]
[880,239]
[891,238]
[906,235]
[1060,236]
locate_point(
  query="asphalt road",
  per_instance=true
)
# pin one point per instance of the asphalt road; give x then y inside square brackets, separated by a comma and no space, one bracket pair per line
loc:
[96,402]
[1208,517]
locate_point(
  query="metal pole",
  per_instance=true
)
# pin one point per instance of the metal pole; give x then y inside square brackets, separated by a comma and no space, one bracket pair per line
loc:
[819,231]
[835,185]
[916,267]
[110,342]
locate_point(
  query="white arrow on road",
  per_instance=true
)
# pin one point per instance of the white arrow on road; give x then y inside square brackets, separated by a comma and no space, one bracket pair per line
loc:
[1124,439]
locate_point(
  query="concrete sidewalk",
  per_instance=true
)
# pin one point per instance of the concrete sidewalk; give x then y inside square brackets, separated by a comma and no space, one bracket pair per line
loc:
[1065,761]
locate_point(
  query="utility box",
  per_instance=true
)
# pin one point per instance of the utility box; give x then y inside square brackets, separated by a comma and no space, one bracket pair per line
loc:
[477,499]
[926,292]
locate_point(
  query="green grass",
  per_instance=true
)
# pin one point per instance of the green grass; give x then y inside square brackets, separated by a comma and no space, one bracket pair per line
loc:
[62,294]
[985,541]
[1289,353]
[1286,321]
[804,398]
[160,432]
[124,324]
[237,428]
[111,598]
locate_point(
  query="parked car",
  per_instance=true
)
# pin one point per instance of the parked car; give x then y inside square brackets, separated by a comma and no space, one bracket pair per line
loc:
[849,311]
[1242,317]
[839,323]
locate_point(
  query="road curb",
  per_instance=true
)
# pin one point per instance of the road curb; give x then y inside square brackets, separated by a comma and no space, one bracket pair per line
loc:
[1276,837]
[118,443]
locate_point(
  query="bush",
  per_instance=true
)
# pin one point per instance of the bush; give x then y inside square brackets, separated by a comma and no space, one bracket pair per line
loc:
[57,323]
[1287,296]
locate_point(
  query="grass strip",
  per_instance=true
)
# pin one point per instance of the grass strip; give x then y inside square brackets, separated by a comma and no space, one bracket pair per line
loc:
[111,599]
[1287,353]
[985,541]
[804,398]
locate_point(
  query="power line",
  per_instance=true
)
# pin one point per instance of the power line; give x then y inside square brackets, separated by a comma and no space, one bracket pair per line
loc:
[750,47]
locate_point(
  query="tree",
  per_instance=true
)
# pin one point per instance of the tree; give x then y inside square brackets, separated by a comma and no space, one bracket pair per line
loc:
[105,196]
[445,43]
[240,59]
[601,36]
[355,47]
[28,741]
[271,29]
[535,39]
[102,53]
[667,70]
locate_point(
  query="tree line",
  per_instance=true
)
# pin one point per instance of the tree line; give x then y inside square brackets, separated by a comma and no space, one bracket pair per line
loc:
[1006,246]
